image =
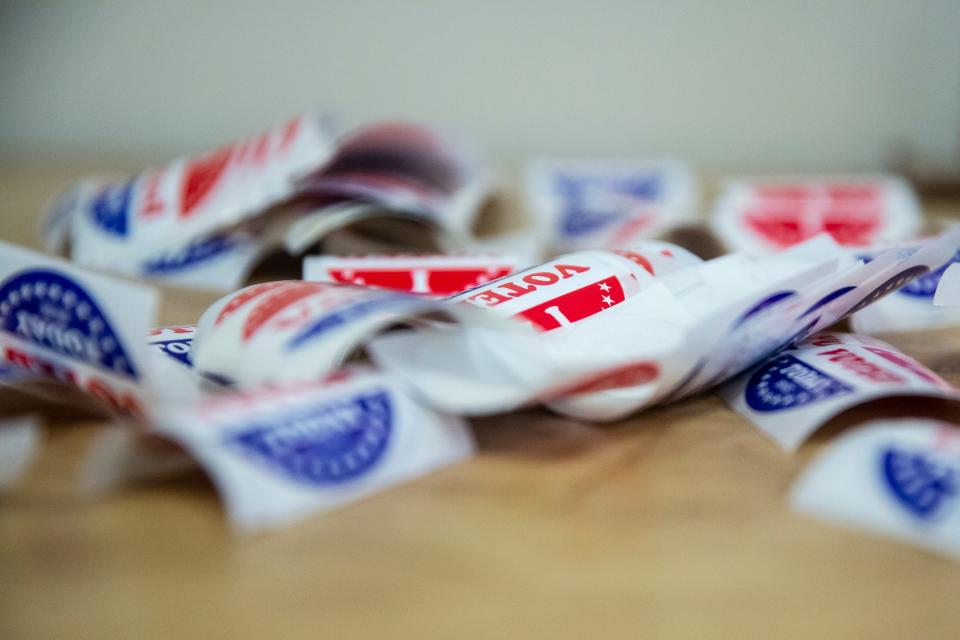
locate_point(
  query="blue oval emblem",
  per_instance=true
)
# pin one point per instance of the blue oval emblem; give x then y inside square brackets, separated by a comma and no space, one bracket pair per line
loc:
[787,382]
[921,485]
[323,444]
[54,312]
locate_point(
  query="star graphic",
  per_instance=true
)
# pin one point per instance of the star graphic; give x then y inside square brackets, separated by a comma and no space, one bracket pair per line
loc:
[604,287]
[607,300]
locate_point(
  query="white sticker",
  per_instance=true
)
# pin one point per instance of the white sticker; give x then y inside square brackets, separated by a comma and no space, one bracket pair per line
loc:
[898,478]
[279,454]
[794,393]
[769,214]
[608,204]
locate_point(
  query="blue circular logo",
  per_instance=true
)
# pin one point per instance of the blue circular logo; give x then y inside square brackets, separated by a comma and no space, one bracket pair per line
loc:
[52,311]
[327,443]
[786,382]
[921,485]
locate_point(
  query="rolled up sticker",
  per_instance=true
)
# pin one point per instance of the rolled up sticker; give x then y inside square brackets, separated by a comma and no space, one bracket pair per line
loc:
[283,453]
[19,444]
[770,214]
[296,330]
[176,216]
[797,391]
[896,478]
[429,275]
[76,327]
[608,204]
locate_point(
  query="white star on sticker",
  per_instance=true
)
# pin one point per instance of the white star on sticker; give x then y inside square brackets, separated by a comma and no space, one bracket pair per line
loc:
[604,286]
[607,300]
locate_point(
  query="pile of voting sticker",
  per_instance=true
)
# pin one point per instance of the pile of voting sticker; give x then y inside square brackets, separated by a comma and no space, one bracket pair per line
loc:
[299,394]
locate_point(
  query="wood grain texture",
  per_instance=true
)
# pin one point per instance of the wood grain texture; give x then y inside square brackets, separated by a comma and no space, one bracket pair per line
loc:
[671,524]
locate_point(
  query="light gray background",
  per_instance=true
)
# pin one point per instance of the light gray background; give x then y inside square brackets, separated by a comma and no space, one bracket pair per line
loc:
[732,84]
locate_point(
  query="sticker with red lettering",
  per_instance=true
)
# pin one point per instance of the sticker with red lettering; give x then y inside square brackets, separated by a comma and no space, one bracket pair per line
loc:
[773,214]
[432,275]
[563,291]
[791,395]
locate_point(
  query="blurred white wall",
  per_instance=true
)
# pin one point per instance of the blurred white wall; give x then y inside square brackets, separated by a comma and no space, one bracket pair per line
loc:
[730,84]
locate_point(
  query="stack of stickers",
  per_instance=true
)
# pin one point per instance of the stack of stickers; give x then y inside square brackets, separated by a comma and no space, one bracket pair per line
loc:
[298,395]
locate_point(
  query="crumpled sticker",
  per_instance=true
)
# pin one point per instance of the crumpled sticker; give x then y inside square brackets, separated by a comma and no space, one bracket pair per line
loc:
[897,478]
[675,334]
[282,453]
[19,443]
[207,221]
[428,275]
[794,393]
[606,203]
[296,330]
[763,215]
[179,218]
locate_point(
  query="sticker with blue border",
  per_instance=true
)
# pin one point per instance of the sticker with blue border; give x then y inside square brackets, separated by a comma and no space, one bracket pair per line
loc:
[922,485]
[787,383]
[52,311]
[326,443]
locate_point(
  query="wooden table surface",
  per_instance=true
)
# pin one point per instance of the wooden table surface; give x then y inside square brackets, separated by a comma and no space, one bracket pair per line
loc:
[671,524]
